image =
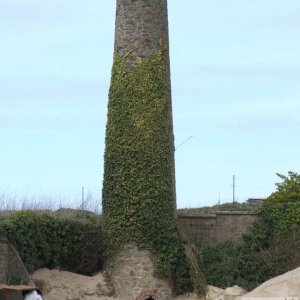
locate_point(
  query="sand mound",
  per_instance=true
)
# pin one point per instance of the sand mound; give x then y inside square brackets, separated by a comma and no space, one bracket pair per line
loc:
[62,285]
[215,293]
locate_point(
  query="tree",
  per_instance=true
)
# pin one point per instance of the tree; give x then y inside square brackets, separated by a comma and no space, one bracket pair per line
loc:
[288,190]
[281,210]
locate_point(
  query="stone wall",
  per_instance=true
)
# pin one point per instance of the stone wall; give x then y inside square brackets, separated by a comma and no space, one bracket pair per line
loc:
[11,265]
[213,229]
[3,261]
[140,26]
[132,276]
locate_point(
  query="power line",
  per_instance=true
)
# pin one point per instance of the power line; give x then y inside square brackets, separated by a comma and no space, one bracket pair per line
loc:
[252,187]
[185,141]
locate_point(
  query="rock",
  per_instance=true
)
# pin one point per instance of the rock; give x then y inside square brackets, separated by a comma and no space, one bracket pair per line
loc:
[231,293]
[192,296]
[104,287]
[73,296]
[90,292]
[187,296]
[214,292]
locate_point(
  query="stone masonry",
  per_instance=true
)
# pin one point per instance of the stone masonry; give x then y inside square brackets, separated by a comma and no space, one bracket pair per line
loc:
[140,26]
[11,265]
[133,271]
[209,230]
[3,261]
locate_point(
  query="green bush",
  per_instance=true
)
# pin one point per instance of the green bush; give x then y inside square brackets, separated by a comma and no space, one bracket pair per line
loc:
[271,247]
[220,264]
[281,211]
[261,260]
[252,262]
[47,241]
[288,190]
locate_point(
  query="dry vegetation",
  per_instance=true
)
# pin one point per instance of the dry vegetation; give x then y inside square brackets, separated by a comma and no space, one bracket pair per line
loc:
[234,206]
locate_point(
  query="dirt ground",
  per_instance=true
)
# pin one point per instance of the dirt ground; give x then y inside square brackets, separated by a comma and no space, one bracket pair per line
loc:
[61,285]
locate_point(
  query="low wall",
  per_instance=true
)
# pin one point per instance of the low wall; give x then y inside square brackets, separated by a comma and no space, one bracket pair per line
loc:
[11,265]
[209,230]
[3,261]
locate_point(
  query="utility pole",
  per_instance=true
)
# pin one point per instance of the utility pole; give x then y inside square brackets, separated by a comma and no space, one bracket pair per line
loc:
[233,188]
[82,197]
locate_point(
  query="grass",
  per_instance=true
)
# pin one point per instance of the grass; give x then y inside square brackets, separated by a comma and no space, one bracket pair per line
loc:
[233,206]
[10,203]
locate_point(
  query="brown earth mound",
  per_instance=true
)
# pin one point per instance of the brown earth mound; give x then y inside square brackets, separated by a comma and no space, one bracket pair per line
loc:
[62,285]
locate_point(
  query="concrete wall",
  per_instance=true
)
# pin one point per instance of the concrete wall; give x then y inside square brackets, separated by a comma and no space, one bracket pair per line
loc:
[213,229]
[11,265]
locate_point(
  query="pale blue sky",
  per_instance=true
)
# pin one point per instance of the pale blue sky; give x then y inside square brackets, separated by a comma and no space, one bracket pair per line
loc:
[235,83]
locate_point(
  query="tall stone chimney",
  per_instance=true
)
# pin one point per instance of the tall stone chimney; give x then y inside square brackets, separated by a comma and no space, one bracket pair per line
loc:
[139,200]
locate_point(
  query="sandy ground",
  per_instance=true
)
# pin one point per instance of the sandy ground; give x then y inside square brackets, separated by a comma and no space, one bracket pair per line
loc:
[61,285]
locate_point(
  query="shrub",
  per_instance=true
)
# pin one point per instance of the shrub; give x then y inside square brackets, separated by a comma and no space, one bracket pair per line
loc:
[270,248]
[281,211]
[220,264]
[251,263]
[46,241]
